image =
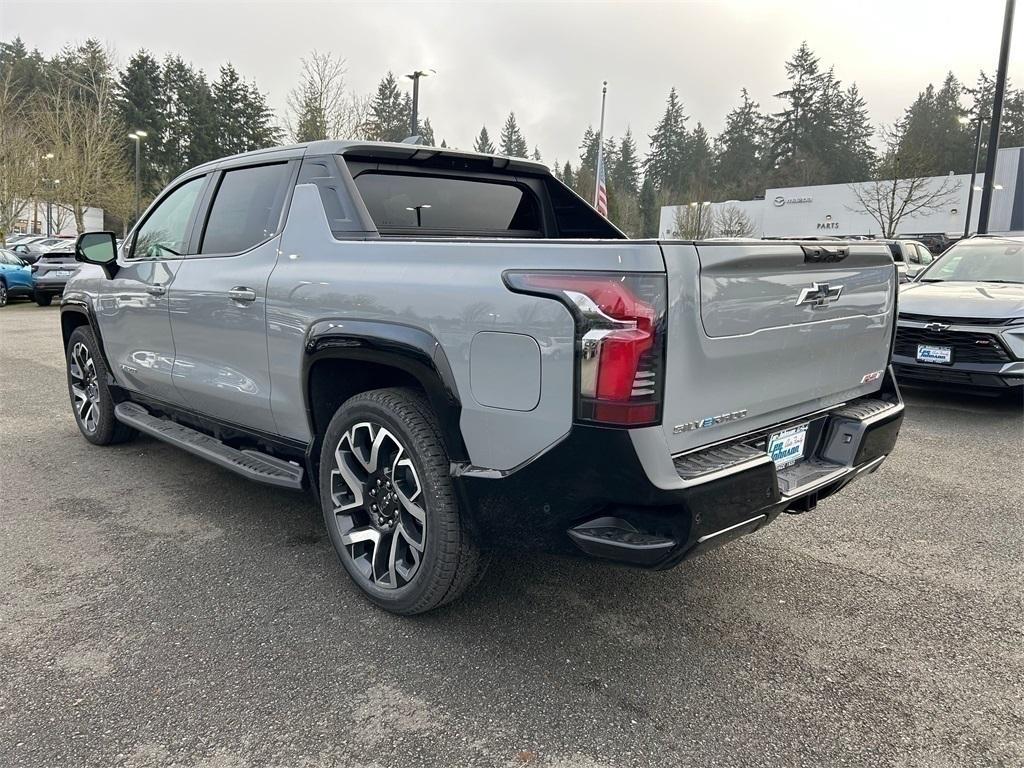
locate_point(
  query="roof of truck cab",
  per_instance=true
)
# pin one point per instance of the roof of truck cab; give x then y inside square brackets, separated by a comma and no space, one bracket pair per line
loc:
[383,151]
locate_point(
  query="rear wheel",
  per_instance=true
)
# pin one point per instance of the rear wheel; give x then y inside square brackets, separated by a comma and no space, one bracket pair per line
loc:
[91,400]
[43,299]
[390,506]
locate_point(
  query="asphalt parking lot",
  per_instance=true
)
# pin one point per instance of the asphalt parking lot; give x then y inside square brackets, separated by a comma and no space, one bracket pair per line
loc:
[156,611]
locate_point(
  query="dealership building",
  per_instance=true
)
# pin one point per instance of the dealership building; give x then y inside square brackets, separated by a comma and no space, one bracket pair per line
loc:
[833,209]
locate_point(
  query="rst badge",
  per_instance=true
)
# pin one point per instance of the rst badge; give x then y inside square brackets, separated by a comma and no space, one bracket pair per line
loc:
[710,421]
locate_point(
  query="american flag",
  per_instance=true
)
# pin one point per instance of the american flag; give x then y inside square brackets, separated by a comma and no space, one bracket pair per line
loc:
[601,196]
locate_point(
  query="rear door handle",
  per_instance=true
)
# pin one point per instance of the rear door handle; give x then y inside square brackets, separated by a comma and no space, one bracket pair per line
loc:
[241,293]
[156,289]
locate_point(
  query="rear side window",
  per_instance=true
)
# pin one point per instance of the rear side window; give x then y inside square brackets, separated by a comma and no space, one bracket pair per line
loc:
[897,254]
[246,209]
[446,205]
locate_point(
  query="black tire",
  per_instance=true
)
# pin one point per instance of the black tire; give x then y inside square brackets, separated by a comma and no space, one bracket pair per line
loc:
[450,560]
[3,294]
[43,299]
[98,424]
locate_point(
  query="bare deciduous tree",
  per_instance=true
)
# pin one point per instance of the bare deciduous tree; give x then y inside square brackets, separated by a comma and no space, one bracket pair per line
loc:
[902,190]
[321,106]
[19,157]
[76,121]
[695,221]
[731,221]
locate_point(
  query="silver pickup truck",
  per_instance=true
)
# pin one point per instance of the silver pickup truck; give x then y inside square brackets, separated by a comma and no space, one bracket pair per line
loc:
[458,354]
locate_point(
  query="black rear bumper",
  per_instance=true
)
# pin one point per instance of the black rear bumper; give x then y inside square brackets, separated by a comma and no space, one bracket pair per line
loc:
[590,493]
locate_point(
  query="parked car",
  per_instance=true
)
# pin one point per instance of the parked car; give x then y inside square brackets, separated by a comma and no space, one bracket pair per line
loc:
[18,237]
[31,250]
[15,277]
[961,322]
[910,257]
[50,273]
[457,353]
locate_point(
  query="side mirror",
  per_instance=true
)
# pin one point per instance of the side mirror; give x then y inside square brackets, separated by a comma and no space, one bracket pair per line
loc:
[98,248]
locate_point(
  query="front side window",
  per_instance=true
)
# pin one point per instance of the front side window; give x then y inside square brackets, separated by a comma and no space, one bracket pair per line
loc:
[164,233]
[443,205]
[246,209]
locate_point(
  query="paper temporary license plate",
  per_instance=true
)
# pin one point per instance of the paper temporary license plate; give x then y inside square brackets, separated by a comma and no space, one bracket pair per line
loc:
[787,447]
[926,353]
[62,273]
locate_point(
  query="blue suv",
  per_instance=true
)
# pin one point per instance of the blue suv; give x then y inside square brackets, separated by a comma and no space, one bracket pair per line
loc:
[15,277]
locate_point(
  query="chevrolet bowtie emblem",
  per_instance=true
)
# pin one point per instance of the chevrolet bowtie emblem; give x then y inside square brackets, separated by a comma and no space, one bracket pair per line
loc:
[819,295]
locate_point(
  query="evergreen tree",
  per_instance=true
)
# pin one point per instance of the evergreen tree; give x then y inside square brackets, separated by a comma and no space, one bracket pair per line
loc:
[794,128]
[427,133]
[568,177]
[536,155]
[229,98]
[856,155]
[740,150]
[701,162]
[931,130]
[389,112]
[311,122]
[26,70]
[667,159]
[140,104]
[483,142]
[650,213]
[1011,129]
[512,142]
[625,176]
[260,131]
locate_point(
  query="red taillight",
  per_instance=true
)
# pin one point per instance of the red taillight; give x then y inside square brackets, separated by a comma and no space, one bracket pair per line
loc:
[620,340]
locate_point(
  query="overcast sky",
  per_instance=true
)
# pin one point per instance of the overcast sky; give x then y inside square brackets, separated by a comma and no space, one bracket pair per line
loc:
[546,61]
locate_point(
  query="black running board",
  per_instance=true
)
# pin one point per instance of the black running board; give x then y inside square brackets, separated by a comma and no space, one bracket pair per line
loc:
[251,464]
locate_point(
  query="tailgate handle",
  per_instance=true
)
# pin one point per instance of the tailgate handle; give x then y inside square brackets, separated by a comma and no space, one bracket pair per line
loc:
[819,254]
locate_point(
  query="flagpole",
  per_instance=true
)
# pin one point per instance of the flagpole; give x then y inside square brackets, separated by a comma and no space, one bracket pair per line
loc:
[600,145]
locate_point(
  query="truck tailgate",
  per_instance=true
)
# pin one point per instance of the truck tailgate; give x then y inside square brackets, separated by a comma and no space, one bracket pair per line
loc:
[762,333]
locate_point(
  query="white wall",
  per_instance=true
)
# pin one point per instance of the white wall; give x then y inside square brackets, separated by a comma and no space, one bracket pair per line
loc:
[832,209]
[33,219]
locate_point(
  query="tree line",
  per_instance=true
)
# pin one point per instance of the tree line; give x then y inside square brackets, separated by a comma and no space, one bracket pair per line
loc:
[67,118]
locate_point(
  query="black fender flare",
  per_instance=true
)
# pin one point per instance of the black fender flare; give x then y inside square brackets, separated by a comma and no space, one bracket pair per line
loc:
[411,350]
[79,305]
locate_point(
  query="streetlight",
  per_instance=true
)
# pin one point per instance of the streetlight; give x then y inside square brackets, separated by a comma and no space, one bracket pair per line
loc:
[418,208]
[415,77]
[964,120]
[49,200]
[137,137]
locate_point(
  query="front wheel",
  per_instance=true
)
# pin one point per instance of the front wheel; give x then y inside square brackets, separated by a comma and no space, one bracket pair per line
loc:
[91,399]
[43,299]
[3,294]
[389,504]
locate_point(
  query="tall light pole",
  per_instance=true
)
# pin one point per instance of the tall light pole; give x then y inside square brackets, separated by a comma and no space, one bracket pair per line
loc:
[137,137]
[997,116]
[974,170]
[414,121]
[49,200]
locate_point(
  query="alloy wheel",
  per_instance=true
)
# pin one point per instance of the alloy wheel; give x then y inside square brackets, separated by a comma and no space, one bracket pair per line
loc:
[85,386]
[3,295]
[378,505]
